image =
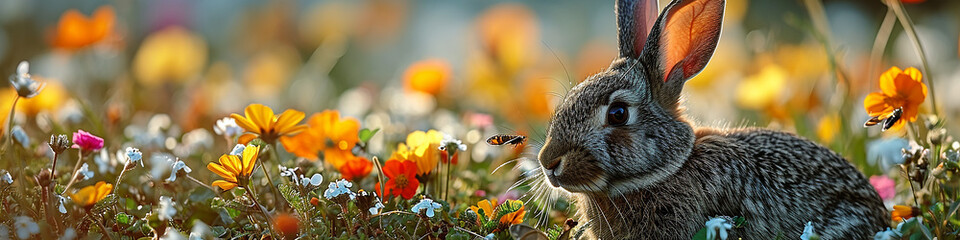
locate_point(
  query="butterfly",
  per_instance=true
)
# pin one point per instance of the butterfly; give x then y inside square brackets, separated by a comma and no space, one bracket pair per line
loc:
[501,139]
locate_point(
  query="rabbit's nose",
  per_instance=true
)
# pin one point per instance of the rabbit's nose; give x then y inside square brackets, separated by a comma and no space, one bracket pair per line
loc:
[552,163]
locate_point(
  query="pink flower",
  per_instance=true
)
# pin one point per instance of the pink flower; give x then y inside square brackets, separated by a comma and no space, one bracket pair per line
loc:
[885,186]
[86,142]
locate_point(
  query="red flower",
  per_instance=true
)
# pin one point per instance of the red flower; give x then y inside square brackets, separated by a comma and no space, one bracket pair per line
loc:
[287,225]
[86,142]
[403,181]
[356,167]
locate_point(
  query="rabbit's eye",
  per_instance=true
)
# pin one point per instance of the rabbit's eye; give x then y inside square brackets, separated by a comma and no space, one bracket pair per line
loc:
[617,114]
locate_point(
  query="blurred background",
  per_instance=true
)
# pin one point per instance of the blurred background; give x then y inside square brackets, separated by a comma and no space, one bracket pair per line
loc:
[457,66]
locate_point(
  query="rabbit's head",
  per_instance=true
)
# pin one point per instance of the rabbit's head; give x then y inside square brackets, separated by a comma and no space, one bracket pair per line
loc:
[621,130]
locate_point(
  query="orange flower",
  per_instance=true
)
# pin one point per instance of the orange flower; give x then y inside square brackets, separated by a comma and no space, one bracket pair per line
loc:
[356,167]
[403,181]
[88,196]
[76,31]
[514,217]
[427,76]
[329,133]
[261,121]
[489,209]
[287,225]
[235,170]
[901,212]
[899,90]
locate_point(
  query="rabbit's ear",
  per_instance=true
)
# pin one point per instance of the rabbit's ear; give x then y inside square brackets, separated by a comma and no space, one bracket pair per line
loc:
[681,43]
[635,19]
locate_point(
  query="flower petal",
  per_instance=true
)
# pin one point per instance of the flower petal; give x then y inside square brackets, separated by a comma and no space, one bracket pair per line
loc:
[287,121]
[225,185]
[246,138]
[887,81]
[221,171]
[245,123]
[260,115]
[876,104]
[249,159]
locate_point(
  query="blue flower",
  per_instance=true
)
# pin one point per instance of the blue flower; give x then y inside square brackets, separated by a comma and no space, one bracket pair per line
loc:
[314,180]
[134,154]
[426,204]
[176,166]
[238,149]
[717,228]
[20,136]
[85,171]
[24,84]
[808,232]
[340,187]
[5,177]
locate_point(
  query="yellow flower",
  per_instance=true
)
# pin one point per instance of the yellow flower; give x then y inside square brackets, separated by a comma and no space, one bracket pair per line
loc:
[763,89]
[421,148]
[901,212]
[172,54]
[828,127]
[235,170]
[488,207]
[427,76]
[329,133]
[260,121]
[901,90]
[88,196]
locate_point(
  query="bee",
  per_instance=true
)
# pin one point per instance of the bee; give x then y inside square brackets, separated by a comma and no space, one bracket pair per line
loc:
[888,121]
[501,139]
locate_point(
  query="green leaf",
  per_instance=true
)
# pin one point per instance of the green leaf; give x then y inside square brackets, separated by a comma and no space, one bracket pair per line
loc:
[292,196]
[366,134]
[218,231]
[123,218]
[201,194]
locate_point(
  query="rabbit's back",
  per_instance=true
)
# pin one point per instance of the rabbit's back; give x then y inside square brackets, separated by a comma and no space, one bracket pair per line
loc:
[779,181]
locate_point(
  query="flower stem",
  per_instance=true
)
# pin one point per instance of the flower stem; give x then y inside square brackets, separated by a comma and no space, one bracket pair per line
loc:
[104,228]
[53,168]
[907,24]
[73,177]
[200,183]
[8,132]
[263,210]
[263,166]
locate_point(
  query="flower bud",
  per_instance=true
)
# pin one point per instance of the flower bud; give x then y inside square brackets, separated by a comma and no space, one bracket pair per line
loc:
[59,143]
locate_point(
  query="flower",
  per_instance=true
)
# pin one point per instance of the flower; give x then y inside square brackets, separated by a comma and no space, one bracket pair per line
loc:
[260,121]
[235,170]
[287,225]
[314,180]
[488,207]
[166,210]
[20,136]
[515,212]
[237,150]
[884,186]
[24,84]
[329,133]
[175,168]
[356,167]
[86,142]
[200,230]
[85,172]
[428,76]
[88,196]
[808,232]
[289,172]
[5,177]
[227,127]
[59,143]
[134,155]
[426,206]
[717,228]
[173,54]
[403,181]
[62,201]
[25,227]
[901,212]
[338,188]
[900,91]
[423,148]
[314,201]
[75,31]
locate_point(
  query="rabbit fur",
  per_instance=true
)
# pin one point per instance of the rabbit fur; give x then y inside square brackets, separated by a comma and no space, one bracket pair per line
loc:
[657,176]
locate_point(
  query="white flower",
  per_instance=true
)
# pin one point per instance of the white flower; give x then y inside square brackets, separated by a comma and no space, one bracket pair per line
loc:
[315,180]
[227,127]
[338,188]
[69,234]
[175,167]
[134,154]
[428,205]
[376,207]
[449,141]
[290,172]
[20,136]
[85,172]
[23,83]
[104,163]
[200,230]
[25,227]
[62,200]
[172,234]
[5,177]
[717,228]
[808,232]
[166,210]
[238,150]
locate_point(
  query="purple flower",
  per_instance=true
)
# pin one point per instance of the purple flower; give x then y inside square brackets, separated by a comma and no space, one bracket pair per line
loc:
[885,186]
[86,142]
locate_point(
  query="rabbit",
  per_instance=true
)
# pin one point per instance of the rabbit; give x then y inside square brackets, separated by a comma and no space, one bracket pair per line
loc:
[638,169]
